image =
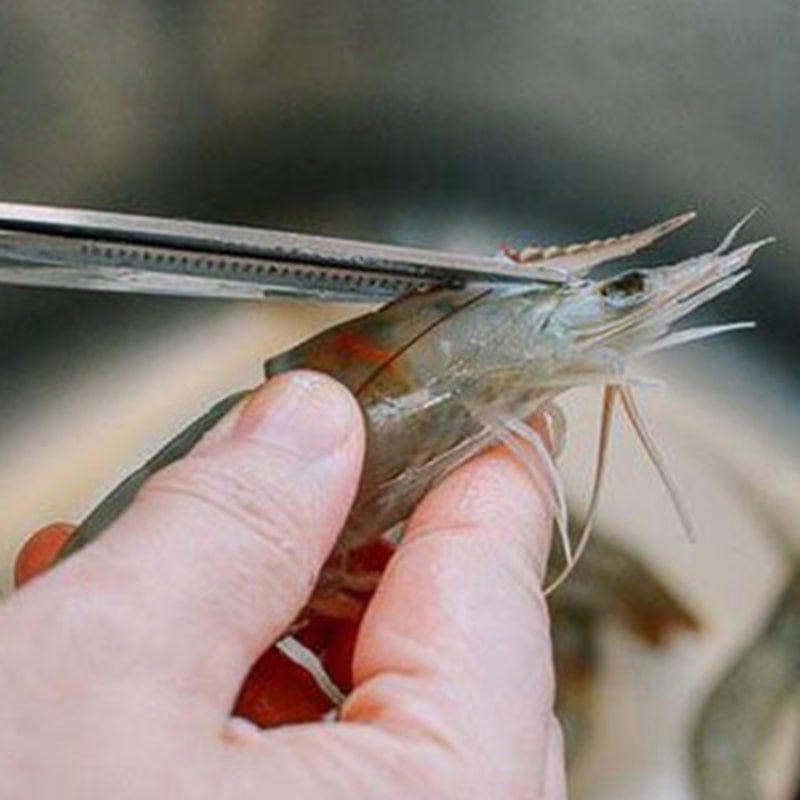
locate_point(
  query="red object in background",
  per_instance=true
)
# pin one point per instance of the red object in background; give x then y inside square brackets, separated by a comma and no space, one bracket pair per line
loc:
[278,691]
[40,551]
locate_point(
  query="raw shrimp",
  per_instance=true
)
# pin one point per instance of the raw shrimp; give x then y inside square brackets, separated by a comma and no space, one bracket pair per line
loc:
[442,375]
[762,682]
[611,585]
[744,707]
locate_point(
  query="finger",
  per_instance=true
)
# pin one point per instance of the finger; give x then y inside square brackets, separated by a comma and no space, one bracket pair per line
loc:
[554,785]
[219,552]
[40,550]
[277,690]
[455,646]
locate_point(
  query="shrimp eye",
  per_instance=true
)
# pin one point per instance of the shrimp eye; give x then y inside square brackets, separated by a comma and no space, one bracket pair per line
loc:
[626,289]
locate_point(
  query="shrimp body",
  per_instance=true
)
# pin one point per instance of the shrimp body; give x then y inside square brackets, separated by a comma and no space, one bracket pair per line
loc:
[442,375]
[425,397]
[612,585]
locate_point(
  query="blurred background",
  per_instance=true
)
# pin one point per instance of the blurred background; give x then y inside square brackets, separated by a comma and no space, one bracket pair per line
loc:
[454,125]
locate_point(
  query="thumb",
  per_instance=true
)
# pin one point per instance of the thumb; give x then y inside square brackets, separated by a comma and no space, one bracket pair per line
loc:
[219,552]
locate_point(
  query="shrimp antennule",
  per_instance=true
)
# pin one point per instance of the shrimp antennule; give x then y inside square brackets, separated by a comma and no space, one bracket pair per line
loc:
[729,237]
[691,335]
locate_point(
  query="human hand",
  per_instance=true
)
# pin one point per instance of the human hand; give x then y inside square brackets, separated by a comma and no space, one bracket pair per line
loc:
[119,668]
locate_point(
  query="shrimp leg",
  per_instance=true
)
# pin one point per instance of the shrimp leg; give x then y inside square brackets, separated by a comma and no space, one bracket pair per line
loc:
[609,394]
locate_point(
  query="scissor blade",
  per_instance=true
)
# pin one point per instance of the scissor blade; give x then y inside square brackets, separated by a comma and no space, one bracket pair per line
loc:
[91,249]
[76,263]
[126,280]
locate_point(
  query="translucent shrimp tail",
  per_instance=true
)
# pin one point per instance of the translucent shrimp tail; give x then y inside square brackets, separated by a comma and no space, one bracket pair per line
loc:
[609,394]
[648,442]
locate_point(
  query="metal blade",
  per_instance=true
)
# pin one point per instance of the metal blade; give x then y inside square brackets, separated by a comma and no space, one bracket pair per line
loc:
[121,252]
[56,261]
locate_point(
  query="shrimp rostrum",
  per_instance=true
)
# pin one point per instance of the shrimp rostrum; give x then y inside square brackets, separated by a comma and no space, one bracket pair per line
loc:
[441,375]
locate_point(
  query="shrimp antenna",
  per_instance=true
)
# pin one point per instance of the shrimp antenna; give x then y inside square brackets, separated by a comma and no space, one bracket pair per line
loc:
[556,484]
[609,394]
[648,442]
[506,430]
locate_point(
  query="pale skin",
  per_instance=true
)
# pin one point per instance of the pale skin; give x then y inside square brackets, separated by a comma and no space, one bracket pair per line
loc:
[118,668]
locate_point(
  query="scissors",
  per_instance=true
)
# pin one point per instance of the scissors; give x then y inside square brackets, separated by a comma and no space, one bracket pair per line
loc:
[82,249]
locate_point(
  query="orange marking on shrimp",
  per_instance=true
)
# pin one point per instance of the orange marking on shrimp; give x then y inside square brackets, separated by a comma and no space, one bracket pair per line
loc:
[361,349]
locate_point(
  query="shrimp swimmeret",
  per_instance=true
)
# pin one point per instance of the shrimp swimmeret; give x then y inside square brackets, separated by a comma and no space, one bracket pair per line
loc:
[441,375]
